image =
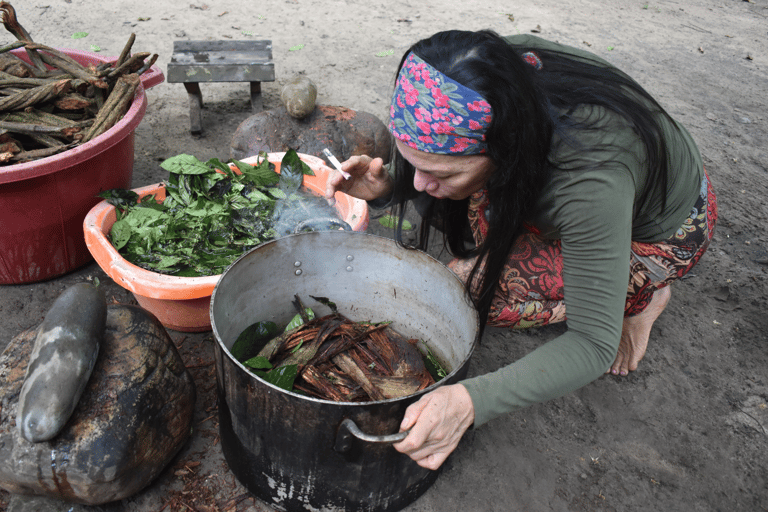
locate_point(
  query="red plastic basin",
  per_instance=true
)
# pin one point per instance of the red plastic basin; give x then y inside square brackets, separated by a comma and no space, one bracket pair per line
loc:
[43,203]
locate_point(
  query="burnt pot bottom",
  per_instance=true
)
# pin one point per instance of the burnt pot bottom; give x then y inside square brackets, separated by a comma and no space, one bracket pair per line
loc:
[340,485]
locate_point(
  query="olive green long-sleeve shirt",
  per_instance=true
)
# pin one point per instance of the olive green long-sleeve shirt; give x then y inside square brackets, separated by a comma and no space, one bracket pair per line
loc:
[595,214]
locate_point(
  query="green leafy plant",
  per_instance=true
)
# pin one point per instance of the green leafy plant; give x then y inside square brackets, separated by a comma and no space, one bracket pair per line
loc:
[211,215]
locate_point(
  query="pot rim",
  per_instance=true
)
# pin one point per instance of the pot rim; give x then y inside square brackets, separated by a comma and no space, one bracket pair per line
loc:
[261,381]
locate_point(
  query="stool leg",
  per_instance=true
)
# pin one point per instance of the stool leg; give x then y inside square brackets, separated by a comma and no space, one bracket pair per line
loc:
[195,106]
[257,104]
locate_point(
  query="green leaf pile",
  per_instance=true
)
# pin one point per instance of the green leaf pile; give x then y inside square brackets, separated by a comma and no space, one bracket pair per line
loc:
[210,216]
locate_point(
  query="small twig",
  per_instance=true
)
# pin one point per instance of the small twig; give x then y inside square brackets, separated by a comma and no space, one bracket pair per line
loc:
[12,46]
[206,419]
[126,51]
[742,411]
[13,26]
[151,62]
[131,65]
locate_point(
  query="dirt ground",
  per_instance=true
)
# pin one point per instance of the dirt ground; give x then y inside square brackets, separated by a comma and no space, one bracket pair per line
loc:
[688,431]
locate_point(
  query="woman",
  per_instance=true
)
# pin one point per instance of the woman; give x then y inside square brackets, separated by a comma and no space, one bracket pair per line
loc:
[584,197]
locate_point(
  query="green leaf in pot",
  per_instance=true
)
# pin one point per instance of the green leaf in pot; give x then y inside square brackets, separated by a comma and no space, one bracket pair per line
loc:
[282,377]
[258,363]
[252,339]
[297,320]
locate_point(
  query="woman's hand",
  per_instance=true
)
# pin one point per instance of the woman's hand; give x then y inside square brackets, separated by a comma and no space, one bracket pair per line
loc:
[437,422]
[369,179]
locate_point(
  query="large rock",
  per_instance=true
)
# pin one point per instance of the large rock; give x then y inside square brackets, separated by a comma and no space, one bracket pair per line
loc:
[344,131]
[133,417]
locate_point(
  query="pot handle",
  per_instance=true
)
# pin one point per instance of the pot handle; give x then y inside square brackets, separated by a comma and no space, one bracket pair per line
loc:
[349,428]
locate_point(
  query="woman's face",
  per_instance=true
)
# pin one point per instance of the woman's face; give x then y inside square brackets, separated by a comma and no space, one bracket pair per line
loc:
[447,176]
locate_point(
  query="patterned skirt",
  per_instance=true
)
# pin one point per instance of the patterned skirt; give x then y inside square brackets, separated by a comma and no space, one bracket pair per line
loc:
[530,290]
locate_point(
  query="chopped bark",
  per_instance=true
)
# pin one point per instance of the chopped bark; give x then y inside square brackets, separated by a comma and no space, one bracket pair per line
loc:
[351,367]
[73,101]
[344,361]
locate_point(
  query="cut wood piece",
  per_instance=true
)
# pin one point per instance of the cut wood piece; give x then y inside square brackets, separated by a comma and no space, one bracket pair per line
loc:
[350,367]
[396,387]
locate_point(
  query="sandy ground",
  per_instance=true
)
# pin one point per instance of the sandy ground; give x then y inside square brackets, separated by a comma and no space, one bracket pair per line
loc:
[688,431]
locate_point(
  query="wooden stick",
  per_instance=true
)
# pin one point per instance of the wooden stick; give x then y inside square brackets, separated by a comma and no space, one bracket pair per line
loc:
[46,140]
[131,65]
[143,69]
[12,46]
[126,51]
[38,153]
[66,63]
[34,116]
[14,27]
[9,80]
[39,94]
[32,129]
[115,107]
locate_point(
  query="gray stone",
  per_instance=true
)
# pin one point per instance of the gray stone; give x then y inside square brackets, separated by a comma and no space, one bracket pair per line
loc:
[299,96]
[133,417]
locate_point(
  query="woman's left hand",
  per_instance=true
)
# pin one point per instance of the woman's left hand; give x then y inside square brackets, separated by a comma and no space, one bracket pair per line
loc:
[437,422]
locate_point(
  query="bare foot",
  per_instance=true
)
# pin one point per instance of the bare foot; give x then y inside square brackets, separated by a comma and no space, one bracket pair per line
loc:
[635,333]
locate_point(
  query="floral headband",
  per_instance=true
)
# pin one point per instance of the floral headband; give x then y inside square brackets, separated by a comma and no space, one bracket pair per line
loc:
[433,113]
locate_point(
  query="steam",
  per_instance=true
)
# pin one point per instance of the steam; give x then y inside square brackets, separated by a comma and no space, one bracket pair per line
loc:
[301,207]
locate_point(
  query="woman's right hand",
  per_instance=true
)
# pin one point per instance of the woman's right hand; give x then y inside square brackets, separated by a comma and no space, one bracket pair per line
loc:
[369,179]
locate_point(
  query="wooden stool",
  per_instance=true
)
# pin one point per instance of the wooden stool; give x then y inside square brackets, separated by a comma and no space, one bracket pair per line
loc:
[193,62]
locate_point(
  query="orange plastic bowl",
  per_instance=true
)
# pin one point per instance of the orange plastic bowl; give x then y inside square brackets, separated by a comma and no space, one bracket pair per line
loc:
[182,303]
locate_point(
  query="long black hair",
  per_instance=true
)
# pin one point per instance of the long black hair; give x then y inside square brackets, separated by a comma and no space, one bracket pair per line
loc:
[529,107]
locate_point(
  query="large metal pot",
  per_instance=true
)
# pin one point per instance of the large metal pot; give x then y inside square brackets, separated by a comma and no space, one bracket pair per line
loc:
[299,453]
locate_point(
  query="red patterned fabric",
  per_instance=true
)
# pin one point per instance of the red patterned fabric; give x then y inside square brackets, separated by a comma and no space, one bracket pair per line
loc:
[530,290]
